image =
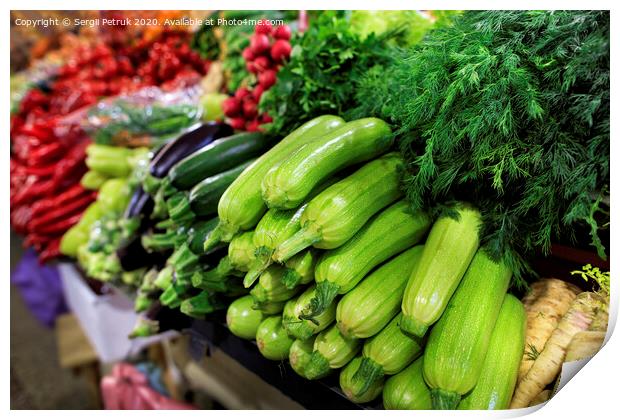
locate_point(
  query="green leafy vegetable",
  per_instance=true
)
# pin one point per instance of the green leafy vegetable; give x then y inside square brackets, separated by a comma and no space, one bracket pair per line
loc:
[508,110]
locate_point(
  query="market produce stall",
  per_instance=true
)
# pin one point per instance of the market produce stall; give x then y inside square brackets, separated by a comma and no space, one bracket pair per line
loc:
[363,214]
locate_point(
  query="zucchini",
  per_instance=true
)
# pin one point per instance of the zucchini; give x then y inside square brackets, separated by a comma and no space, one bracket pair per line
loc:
[242,319]
[269,308]
[205,195]
[498,378]
[300,354]
[241,251]
[300,268]
[216,157]
[275,227]
[450,247]
[332,350]
[241,205]
[349,383]
[387,234]
[270,287]
[203,303]
[288,184]
[458,343]
[407,389]
[365,310]
[387,353]
[338,213]
[272,340]
[216,278]
[303,329]
[186,256]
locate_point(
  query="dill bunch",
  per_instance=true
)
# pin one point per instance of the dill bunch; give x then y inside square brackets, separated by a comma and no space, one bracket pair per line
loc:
[507,110]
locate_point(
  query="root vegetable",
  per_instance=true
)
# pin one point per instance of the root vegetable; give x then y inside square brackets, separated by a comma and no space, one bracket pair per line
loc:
[262,64]
[263,27]
[267,79]
[547,365]
[231,107]
[280,51]
[282,32]
[547,302]
[259,43]
[584,344]
[541,398]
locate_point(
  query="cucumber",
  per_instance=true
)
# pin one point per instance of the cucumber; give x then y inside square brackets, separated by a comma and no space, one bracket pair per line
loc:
[241,205]
[365,310]
[300,268]
[270,287]
[242,319]
[288,184]
[498,378]
[348,384]
[300,354]
[338,213]
[303,329]
[387,353]
[407,389]
[272,340]
[204,197]
[331,351]
[458,343]
[217,157]
[450,247]
[385,235]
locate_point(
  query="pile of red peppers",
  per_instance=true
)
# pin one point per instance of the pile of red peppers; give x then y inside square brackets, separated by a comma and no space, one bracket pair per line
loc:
[48,155]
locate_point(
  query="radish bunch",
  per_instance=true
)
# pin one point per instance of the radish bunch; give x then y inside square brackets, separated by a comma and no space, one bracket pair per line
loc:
[269,48]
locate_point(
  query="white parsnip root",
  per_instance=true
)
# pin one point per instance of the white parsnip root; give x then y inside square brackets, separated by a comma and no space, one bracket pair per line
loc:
[548,364]
[547,302]
[543,396]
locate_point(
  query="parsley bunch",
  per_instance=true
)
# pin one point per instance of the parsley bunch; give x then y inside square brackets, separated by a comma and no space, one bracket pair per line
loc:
[508,110]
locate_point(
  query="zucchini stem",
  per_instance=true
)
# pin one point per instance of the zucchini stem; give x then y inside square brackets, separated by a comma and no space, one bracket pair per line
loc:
[317,367]
[291,278]
[307,236]
[324,295]
[223,232]
[164,278]
[261,262]
[444,400]
[368,372]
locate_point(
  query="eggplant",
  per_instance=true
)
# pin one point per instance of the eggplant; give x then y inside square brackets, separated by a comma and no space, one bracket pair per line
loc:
[141,203]
[186,144]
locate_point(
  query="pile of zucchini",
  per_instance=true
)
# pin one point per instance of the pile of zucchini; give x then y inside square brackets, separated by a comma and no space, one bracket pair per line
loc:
[330,270]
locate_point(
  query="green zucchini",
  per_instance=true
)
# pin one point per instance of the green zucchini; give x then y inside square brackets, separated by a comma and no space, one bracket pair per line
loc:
[288,183]
[303,329]
[217,157]
[365,310]
[300,268]
[269,308]
[338,213]
[270,287]
[498,378]
[203,303]
[186,256]
[407,390]
[387,353]
[390,232]
[331,351]
[300,354]
[217,278]
[272,340]
[458,343]
[241,251]
[349,384]
[449,249]
[242,319]
[204,197]
[241,205]
[275,227]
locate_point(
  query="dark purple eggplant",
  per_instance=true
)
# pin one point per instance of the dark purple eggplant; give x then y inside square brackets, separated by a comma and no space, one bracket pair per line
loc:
[141,203]
[186,144]
[133,256]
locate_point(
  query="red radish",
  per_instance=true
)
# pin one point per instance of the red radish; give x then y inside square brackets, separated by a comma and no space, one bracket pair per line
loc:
[262,63]
[247,54]
[258,92]
[253,125]
[282,32]
[266,118]
[249,108]
[267,79]
[281,50]
[263,27]
[250,67]
[237,123]
[231,107]
[259,43]
[242,93]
